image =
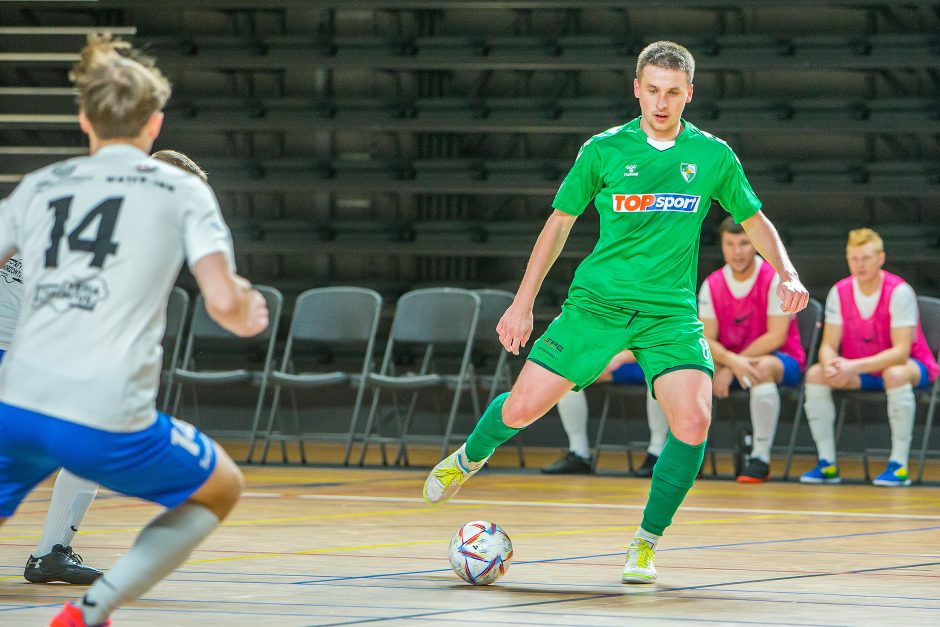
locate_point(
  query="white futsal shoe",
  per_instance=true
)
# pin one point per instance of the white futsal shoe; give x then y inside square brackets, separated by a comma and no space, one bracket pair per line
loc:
[447,477]
[639,567]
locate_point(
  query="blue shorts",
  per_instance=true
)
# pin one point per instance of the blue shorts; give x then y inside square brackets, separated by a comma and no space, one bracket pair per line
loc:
[164,463]
[872,382]
[629,374]
[792,375]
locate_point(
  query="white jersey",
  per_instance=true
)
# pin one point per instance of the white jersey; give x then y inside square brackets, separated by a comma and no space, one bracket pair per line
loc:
[101,239]
[11,294]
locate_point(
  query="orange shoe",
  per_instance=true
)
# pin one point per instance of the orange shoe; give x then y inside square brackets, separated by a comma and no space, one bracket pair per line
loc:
[756,471]
[71,616]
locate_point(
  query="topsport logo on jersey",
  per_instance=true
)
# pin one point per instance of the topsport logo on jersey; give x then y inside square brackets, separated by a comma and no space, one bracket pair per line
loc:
[630,203]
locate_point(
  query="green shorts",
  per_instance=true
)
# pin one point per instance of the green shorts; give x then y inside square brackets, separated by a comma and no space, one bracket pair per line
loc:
[580,343]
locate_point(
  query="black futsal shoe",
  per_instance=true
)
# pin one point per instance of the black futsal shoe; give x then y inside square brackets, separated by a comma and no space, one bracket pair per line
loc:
[62,564]
[646,470]
[570,464]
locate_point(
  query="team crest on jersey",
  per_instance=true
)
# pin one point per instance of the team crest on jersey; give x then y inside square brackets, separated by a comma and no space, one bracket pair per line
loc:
[688,171]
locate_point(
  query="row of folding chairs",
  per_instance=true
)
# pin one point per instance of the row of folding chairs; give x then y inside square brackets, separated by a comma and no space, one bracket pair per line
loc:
[448,331]
[810,322]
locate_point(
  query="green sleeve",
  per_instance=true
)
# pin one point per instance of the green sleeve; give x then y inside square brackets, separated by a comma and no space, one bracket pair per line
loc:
[734,191]
[582,183]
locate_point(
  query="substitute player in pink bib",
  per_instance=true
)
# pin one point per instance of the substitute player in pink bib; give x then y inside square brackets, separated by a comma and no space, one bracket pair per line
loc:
[756,346]
[872,340]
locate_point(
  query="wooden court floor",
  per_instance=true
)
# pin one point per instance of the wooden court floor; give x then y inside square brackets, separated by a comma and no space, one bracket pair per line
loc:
[341,546]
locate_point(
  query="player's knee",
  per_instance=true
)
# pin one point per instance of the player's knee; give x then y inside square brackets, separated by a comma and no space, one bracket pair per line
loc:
[815,375]
[518,412]
[894,376]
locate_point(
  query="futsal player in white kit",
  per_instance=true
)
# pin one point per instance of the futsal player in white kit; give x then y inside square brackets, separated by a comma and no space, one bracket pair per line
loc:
[53,559]
[101,240]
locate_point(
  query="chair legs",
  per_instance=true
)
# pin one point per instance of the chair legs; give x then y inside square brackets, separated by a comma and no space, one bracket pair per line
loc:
[922,460]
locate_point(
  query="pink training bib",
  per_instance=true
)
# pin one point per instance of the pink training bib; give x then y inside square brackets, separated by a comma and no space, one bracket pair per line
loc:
[743,320]
[866,337]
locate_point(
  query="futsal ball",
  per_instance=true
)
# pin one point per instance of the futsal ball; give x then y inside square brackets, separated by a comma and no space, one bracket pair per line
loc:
[480,552]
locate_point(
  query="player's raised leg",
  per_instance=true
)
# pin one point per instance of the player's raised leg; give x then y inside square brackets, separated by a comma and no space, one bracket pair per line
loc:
[54,560]
[535,392]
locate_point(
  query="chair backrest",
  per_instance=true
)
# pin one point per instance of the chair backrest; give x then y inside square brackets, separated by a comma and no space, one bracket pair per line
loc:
[443,315]
[336,314]
[203,327]
[493,304]
[809,322]
[930,321]
[177,306]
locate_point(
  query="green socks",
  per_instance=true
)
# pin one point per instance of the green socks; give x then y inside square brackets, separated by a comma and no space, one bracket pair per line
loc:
[490,431]
[673,475]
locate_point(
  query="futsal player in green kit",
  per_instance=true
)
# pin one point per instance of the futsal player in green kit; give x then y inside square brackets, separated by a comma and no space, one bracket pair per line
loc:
[652,181]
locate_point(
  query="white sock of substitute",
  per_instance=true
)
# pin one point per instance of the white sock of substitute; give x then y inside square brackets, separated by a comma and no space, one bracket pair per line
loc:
[902,407]
[656,419]
[160,548]
[765,411]
[573,409]
[821,415]
[71,498]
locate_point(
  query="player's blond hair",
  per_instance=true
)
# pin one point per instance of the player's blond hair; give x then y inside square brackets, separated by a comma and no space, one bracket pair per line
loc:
[182,162]
[667,55]
[118,88]
[860,237]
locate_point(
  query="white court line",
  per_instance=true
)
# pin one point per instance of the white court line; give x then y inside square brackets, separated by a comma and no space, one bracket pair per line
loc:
[725,510]
[261,495]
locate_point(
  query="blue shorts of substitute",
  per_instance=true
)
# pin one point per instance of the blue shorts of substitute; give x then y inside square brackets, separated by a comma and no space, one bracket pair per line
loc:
[872,382]
[165,463]
[791,372]
[630,374]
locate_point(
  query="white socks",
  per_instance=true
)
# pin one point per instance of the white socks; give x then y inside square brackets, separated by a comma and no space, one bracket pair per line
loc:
[901,410]
[643,534]
[71,498]
[658,425]
[821,415]
[765,411]
[160,548]
[573,409]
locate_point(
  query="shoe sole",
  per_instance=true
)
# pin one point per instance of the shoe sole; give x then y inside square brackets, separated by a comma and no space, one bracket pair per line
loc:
[87,581]
[891,484]
[818,481]
[636,579]
[745,479]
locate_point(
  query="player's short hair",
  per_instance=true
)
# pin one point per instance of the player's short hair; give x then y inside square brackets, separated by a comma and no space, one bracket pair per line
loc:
[118,88]
[728,225]
[667,55]
[181,161]
[860,237]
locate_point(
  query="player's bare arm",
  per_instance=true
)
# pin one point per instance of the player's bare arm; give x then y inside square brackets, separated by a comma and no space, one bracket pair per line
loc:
[230,299]
[902,338]
[515,326]
[743,369]
[767,242]
[771,340]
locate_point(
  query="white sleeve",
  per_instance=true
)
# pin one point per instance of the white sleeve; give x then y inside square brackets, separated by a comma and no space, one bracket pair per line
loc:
[706,311]
[11,208]
[833,308]
[903,307]
[204,229]
[774,303]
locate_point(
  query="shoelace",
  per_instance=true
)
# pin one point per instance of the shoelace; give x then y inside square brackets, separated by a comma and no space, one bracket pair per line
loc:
[644,553]
[72,555]
[450,474]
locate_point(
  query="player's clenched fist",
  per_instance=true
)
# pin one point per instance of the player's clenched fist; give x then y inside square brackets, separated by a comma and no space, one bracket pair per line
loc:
[515,327]
[793,296]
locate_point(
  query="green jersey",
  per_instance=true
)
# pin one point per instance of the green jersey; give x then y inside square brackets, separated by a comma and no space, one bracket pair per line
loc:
[652,202]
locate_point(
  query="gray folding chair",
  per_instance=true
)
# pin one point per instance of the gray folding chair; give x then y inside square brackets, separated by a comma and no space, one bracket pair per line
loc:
[493,304]
[930,324]
[177,306]
[334,319]
[432,320]
[207,337]
[622,392]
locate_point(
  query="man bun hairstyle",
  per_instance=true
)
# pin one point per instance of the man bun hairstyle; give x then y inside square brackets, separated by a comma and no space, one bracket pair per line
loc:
[118,88]
[181,161]
[667,55]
